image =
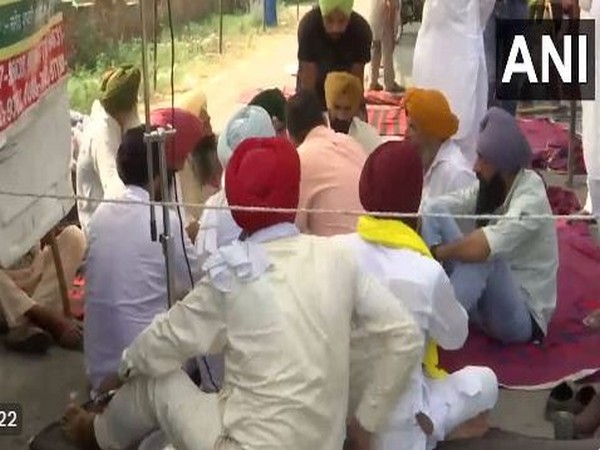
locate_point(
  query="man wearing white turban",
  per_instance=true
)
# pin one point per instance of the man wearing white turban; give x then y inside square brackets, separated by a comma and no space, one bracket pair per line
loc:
[216,226]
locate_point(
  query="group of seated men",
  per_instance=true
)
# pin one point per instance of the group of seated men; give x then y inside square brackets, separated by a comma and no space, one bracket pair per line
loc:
[316,328]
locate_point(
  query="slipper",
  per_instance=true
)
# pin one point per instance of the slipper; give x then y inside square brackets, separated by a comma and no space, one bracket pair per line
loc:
[28,339]
[561,398]
[564,426]
[585,395]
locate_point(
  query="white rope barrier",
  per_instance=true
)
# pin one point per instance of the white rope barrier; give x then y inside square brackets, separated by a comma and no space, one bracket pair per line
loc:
[579,217]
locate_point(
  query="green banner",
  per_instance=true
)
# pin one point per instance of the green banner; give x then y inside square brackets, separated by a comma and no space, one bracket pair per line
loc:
[22,18]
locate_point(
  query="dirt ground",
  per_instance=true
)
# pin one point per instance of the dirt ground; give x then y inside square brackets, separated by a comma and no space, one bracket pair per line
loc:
[44,385]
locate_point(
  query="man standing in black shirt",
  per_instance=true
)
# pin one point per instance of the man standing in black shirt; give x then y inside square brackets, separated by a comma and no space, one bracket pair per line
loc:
[331,37]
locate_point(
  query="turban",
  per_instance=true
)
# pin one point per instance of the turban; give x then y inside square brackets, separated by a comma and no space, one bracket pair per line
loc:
[273,101]
[392,179]
[248,122]
[119,89]
[328,6]
[189,131]
[195,102]
[263,172]
[502,143]
[343,83]
[430,111]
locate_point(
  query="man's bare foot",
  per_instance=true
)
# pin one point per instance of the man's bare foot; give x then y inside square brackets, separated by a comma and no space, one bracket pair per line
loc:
[476,427]
[66,332]
[425,423]
[78,426]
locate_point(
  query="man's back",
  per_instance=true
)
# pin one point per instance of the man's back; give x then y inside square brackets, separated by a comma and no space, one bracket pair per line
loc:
[331,166]
[288,344]
[125,279]
[426,292]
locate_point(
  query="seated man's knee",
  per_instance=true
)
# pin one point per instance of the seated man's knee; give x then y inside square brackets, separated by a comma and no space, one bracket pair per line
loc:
[72,239]
[488,396]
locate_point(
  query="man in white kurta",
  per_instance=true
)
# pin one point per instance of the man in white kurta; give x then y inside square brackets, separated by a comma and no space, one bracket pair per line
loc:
[112,115]
[281,306]
[591,119]
[126,276]
[449,55]
[393,252]
[217,227]
[431,127]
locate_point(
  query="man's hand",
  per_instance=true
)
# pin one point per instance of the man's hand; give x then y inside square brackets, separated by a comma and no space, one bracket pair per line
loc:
[192,230]
[593,320]
[110,383]
[358,437]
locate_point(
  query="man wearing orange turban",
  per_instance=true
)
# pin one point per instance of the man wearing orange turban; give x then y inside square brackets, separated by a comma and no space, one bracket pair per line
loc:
[431,127]
[449,56]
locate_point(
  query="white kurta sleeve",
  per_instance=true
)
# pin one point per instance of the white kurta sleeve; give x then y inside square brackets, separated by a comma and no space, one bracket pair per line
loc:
[449,322]
[185,252]
[105,147]
[381,317]
[459,202]
[193,326]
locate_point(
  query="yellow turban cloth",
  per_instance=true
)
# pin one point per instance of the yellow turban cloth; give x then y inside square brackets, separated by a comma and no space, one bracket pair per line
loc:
[328,6]
[119,89]
[430,111]
[195,102]
[343,83]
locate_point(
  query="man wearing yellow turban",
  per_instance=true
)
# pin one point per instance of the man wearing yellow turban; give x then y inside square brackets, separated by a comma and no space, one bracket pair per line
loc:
[200,177]
[431,127]
[344,97]
[331,37]
[112,115]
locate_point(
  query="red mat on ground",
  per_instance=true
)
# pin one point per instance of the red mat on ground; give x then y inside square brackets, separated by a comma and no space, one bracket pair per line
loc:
[76,295]
[570,351]
[549,141]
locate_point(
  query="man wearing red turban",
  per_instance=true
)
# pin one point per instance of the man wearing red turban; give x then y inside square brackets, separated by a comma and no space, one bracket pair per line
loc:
[391,250]
[189,131]
[285,340]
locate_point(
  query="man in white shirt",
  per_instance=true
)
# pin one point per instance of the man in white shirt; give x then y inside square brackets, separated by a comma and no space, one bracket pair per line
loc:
[286,341]
[590,9]
[112,115]
[344,97]
[217,227]
[125,269]
[431,127]
[504,272]
[449,55]
[393,252]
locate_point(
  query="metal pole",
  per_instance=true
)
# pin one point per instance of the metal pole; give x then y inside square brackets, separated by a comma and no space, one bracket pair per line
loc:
[151,138]
[572,142]
[220,27]
[155,72]
[146,83]
[166,238]
[297,9]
